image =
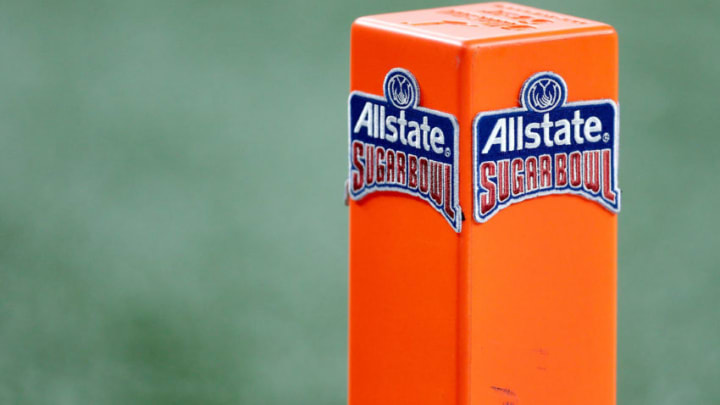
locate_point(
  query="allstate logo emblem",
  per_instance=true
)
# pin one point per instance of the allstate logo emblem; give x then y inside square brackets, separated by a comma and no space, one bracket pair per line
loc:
[544,92]
[401,88]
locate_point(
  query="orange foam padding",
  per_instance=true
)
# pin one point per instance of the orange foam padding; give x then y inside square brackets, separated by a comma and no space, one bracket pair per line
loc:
[520,309]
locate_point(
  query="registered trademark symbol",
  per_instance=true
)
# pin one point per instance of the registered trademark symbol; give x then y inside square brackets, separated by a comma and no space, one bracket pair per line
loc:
[447,152]
[606,137]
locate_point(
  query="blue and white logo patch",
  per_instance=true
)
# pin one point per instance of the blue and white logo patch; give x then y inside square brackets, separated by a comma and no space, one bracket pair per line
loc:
[396,145]
[547,146]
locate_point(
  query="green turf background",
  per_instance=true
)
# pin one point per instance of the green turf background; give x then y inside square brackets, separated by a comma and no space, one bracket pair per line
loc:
[171,220]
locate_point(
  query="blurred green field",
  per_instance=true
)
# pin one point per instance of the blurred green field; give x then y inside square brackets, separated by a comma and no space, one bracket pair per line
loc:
[171,220]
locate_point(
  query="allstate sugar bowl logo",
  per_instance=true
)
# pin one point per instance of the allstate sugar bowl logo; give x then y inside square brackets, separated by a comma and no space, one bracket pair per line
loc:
[547,146]
[397,146]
